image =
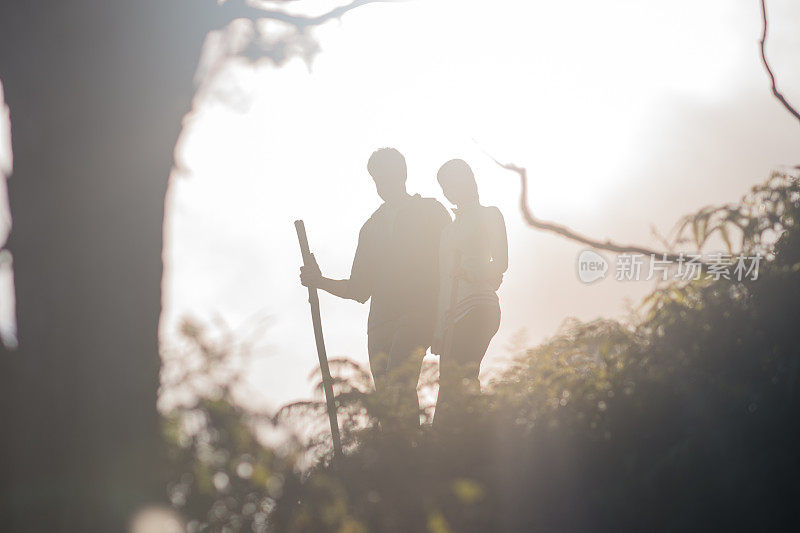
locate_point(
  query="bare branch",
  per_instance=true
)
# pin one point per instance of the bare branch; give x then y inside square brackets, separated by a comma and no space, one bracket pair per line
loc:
[775,91]
[609,245]
[566,232]
[240,9]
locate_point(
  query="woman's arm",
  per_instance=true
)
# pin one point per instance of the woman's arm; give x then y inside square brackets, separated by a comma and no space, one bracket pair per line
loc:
[498,245]
[498,241]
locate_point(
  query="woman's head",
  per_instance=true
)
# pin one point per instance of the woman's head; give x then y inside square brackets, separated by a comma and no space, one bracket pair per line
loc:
[458,182]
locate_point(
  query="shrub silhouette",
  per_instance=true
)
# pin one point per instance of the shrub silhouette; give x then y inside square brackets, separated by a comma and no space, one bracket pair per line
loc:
[684,419]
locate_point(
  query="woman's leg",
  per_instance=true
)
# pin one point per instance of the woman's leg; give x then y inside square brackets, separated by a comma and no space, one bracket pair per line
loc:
[459,368]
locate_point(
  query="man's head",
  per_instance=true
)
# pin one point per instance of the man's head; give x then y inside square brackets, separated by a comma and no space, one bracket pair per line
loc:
[387,167]
[458,182]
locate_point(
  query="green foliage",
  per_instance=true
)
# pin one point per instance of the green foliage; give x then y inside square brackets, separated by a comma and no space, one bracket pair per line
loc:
[686,419]
[769,210]
[224,477]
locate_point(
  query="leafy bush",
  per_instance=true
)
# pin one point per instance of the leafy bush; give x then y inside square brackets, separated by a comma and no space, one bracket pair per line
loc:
[686,419]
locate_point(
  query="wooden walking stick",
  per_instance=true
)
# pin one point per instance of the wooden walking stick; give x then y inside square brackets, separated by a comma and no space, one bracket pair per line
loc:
[313,300]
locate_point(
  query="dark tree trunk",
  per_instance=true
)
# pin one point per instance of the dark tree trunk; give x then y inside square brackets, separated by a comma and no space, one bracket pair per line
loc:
[97,90]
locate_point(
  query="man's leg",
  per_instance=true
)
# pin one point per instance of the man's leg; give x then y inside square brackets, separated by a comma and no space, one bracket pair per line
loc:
[395,357]
[379,345]
[405,362]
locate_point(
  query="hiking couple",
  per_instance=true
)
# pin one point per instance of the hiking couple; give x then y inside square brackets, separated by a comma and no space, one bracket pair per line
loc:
[432,282]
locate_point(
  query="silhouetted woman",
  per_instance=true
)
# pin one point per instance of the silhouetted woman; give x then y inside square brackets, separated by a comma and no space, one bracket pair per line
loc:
[473,257]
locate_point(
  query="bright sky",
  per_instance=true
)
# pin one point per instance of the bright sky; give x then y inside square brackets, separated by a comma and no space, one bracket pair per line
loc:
[627,114]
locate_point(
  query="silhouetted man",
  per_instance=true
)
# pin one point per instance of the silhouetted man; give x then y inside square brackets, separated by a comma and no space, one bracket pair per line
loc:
[396,265]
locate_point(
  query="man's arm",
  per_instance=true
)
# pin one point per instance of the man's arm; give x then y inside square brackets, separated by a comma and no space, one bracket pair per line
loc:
[311,276]
[357,287]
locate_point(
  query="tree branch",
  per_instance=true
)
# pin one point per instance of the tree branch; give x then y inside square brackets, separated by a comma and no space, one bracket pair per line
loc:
[775,90]
[234,9]
[566,232]
[609,245]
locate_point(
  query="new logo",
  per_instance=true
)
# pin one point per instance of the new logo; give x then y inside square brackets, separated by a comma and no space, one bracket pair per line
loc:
[591,266]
